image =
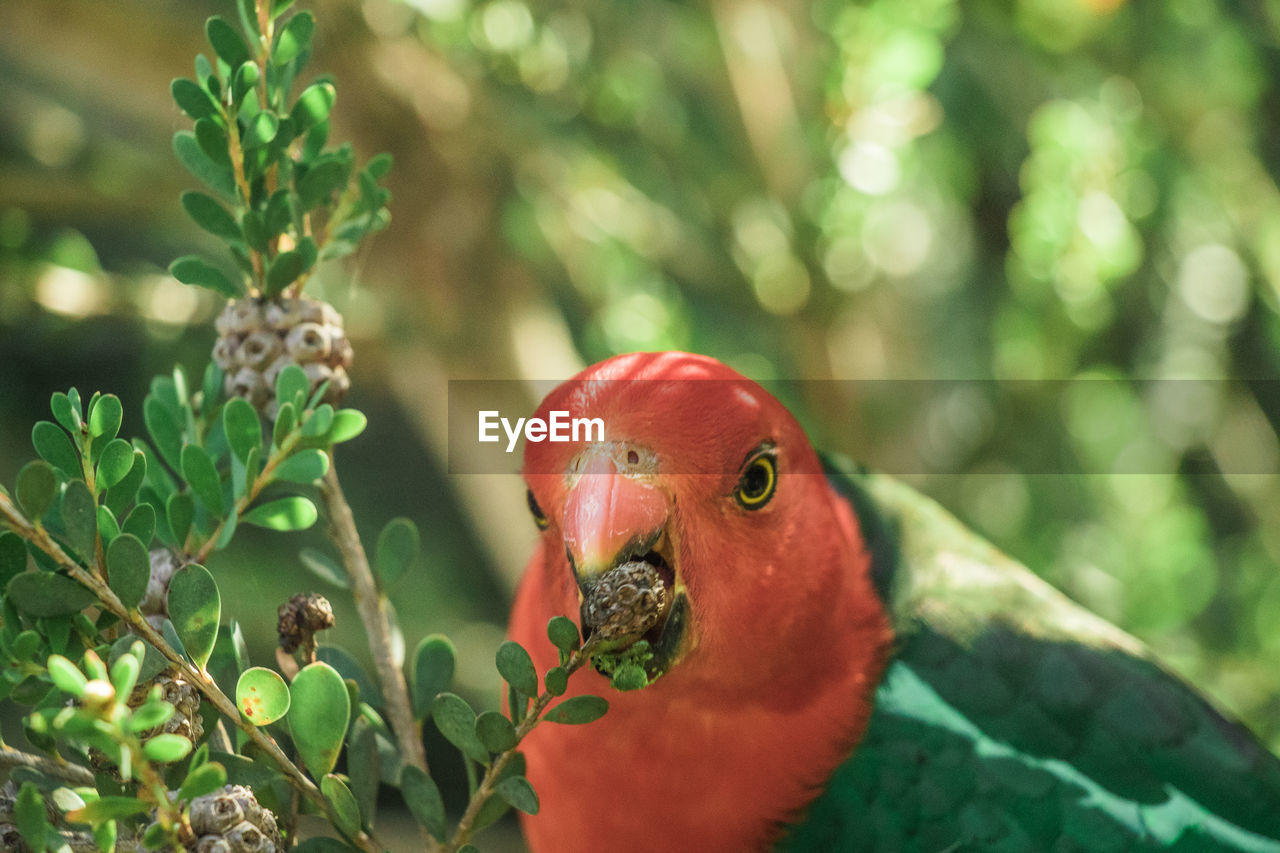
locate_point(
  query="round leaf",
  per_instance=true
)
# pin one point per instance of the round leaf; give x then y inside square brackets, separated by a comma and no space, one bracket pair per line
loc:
[54,446]
[66,675]
[209,214]
[398,547]
[35,488]
[166,748]
[577,710]
[149,715]
[557,680]
[292,513]
[115,463]
[202,780]
[305,466]
[294,39]
[423,799]
[517,668]
[321,709]
[227,41]
[457,722]
[45,594]
[128,569]
[517,791]
[141,523]
[346,811]
[261,130]
[563,633]
[433,665]
[240,422]
[495,731]
[192,98]
[347,424]
[13,556]
[80,518]
[192,269]
[105,416]
[364,766]
[262,696]
[199,471]
[313,106]
[195,606]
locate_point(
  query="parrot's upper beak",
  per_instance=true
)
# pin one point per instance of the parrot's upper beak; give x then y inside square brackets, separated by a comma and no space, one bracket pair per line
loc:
[618,538]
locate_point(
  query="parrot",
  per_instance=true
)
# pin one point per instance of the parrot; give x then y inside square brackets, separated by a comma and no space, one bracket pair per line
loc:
[830,660]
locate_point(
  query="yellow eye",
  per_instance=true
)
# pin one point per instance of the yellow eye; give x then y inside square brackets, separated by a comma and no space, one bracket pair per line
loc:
[758,482]
[539,518]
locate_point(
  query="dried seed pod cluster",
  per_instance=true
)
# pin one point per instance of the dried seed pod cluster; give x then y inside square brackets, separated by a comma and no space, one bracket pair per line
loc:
[299,618]
[186,719]
[230,820]
[627,601]
[258,339]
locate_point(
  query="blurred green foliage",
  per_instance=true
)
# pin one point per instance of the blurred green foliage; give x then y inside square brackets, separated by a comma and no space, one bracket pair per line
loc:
[1077,190]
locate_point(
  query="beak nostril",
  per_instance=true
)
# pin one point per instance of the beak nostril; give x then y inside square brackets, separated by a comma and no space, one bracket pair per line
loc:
[633,458]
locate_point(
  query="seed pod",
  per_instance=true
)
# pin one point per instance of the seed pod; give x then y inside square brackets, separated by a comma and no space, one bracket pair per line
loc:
[626,601]
[299,618]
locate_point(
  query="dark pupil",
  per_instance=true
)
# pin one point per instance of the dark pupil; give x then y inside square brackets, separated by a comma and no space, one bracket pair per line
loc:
[756,480]
[533,505]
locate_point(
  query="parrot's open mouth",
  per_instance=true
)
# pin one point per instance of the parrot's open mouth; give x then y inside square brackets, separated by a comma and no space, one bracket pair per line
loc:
[639,609]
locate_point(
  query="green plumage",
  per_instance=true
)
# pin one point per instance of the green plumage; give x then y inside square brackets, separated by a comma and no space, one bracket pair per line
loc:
[1013,720]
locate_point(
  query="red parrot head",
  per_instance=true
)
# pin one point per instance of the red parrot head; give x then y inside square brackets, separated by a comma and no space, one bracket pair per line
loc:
[700,523]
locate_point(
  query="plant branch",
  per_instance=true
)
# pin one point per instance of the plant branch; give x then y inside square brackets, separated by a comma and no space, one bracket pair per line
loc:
[255,488]
[38,536]
[373,613]
[73,773]
[491,777]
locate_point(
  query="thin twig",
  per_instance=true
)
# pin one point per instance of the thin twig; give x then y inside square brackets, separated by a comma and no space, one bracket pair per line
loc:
[38,536]
[73,773]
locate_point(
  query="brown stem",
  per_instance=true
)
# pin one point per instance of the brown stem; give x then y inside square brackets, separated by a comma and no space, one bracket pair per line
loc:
[73,773]
[38,536]
[372,607]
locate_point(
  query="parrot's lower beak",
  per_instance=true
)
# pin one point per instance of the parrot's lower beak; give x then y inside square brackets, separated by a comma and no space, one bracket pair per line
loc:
[616,523]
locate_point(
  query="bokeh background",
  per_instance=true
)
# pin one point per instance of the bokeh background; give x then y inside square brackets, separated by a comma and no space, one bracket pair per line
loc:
[897,192]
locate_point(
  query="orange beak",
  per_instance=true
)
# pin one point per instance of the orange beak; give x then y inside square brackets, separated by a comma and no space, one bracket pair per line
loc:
[611,514]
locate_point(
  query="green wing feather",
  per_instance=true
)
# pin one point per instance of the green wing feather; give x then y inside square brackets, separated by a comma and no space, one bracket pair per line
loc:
[1013,719]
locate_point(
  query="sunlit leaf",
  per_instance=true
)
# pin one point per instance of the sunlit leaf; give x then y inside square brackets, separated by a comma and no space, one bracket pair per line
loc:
[262,696]
[321,710]
[195,606]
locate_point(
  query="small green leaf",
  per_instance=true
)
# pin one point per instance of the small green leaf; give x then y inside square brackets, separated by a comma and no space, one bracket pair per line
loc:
[346,811]
[166,748]
[115,463]
[457,722]
[80,518]
[324,567]
[351,670]
[433,666]
[284,271]
[128,569]
[105,415]
[54,446]
[13,557]
[108,527]
[192,98]
[107,808]
[563,633]
[313,106]
[397,551]
[193,269]
[241,424]
[629,676]
[291,513]
[320,182]
[30,817]
[214,173]
[150,715]
[286,420]
[212,141]
[203,779]
[227,42]
[35,488]
[243,473]
[557,680]
[347,424]
[66,413]
[180,511]
[262,696]
[321,710]
[318,421]
[517,791]
[294,39]
[141,523]
[495,731]
[516,668]
[123,493]
[124,674]
[245,78]
[195,606]
[292,385]
[423,799]
[209,214]
[261,130]
[67,676]
[199,471]
[577,710]
[380,165]
[305,466]
[363,767]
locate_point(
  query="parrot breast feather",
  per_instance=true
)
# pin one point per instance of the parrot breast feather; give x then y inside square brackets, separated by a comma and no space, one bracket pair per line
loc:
[1013,719]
